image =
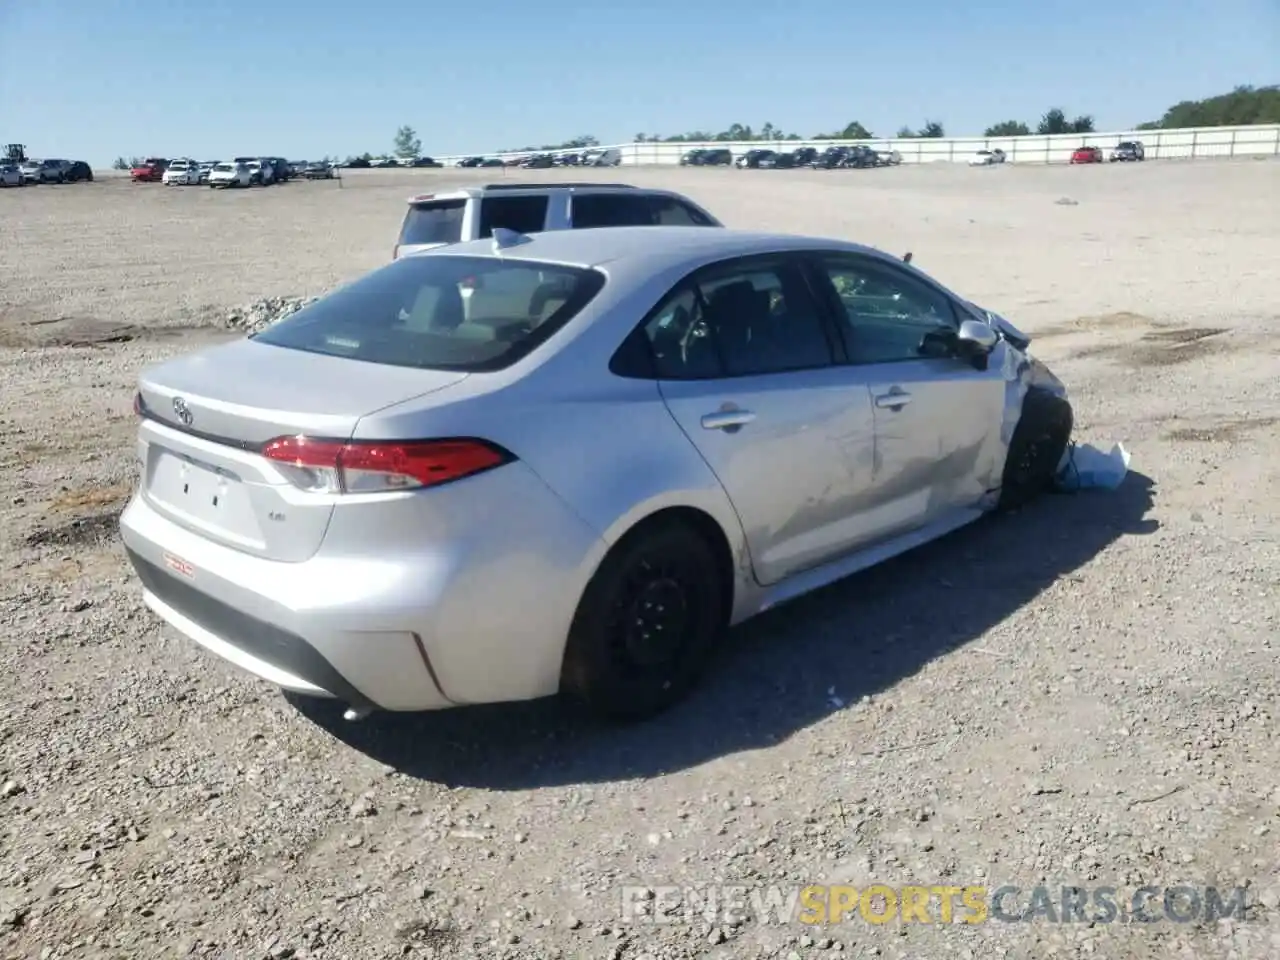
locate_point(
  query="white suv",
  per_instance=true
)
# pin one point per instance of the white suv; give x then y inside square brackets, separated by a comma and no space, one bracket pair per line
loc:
[472,213]
[185,173]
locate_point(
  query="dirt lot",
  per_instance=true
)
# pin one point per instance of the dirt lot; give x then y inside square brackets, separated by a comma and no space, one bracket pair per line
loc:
[1082,694]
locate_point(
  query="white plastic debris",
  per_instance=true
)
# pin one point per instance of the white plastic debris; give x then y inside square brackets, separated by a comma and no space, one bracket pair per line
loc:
[1086,467]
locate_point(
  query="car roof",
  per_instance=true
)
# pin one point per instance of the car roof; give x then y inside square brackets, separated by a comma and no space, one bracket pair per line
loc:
[506,189]
[650,248]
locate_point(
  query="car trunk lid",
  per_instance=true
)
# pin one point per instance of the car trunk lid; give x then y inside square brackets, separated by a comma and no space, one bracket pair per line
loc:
[207,416]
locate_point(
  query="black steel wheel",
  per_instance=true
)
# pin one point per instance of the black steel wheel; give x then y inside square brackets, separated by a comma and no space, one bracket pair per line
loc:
[646,624]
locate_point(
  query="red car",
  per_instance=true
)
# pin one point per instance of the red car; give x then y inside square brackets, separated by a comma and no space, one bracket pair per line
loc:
[1087,155]
[151,169]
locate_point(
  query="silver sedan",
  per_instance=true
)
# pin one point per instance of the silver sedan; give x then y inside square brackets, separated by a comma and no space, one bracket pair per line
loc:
[569,461]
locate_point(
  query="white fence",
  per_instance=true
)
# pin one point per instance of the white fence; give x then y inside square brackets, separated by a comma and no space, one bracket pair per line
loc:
[1189,144]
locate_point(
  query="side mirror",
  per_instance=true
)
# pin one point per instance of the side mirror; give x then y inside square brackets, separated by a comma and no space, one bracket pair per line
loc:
[906,257]
[974,342]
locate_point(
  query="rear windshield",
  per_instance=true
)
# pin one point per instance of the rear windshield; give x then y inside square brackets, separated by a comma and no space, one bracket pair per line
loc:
[442,313]
[437,221]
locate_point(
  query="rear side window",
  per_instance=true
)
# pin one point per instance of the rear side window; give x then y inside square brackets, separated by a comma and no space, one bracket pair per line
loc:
[442,313]
[435,221]
[521,214]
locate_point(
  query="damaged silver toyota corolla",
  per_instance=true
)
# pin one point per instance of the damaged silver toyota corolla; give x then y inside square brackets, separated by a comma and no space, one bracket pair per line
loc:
[569,461]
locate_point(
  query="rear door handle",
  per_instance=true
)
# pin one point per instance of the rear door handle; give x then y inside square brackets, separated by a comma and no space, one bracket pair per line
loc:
[894,399]
[726,419]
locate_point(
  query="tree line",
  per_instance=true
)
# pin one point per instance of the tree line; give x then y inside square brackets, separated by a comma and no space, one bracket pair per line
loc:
[1243,106]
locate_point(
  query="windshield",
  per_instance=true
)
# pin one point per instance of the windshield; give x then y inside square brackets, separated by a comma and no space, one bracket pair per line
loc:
[442,313]
[224,167]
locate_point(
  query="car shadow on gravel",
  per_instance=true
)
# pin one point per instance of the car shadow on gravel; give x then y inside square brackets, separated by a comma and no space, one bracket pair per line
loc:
[783,671]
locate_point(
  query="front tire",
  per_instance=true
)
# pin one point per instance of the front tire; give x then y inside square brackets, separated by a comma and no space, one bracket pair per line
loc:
[1038,443]
[646,624]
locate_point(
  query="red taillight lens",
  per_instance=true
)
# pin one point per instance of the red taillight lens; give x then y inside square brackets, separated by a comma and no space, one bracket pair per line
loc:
[334,466]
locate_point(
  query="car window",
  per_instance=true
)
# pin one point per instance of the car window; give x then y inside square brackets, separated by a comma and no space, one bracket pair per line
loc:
[611,210]
[522,214]
[442,313]
[436,221]
[888,313]
[670,212]
[740,321]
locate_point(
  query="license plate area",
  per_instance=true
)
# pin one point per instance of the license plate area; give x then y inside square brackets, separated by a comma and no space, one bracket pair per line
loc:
[211,498]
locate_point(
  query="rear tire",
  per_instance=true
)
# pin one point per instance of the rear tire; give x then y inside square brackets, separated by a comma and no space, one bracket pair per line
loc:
[646,624]
[1039,440]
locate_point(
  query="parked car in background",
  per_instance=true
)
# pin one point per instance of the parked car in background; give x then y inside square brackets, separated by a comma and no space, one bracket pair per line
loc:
[318,170]
[281,171]
[691,158]
[260,174]
[625,549]
[1087,155]
[473,213]
[181,173]
[1128,150]
[150,170]
[468,162]
[11,175]
[539,161]
[46,171]
[205,167]
[986,158]
[611,157]
[430,162]
[230,173]
[752,158]
[831,158]
[862,156]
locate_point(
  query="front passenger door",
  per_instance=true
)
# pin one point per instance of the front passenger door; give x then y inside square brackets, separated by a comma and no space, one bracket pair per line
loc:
[938,448]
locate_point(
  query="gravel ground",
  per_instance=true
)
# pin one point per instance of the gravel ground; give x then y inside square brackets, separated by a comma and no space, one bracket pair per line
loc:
[1081,694]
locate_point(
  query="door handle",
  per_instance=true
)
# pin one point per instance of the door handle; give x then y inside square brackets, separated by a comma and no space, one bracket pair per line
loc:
[895,399]
[726,419]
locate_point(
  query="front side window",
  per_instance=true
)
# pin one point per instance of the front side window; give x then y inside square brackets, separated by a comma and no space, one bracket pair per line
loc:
[611,210]
[888,315]
[738,321]
[471,314]
[670,212]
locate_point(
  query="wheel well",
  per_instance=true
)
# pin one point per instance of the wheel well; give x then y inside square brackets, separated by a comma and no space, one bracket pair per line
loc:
[706,527]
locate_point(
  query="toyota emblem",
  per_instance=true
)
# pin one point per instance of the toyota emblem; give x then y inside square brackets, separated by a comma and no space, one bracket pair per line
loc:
[181,409]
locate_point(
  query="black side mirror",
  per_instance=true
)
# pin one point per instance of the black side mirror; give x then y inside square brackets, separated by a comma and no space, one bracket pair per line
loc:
[906,258]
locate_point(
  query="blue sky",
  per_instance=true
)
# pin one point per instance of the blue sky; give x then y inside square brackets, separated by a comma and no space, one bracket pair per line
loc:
[94,79]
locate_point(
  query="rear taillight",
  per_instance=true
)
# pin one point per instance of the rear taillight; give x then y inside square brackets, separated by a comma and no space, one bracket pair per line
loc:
[335,466]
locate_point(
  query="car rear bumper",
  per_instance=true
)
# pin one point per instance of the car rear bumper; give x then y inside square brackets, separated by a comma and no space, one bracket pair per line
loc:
[406,623]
